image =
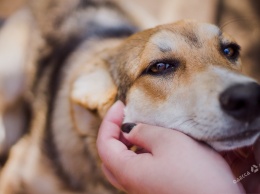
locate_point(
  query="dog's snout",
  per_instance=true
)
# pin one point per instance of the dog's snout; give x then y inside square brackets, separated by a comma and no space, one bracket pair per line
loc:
[241,101]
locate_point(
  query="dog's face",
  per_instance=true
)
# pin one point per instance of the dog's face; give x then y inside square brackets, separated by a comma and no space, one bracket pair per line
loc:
[186,76]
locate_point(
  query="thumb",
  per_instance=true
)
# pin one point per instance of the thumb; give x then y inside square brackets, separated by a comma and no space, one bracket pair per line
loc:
[151,138]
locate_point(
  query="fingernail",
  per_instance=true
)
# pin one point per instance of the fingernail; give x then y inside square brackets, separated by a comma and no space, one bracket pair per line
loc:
[127,127]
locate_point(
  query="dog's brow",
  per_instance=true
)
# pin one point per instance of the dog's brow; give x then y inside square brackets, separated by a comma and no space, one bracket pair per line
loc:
[163,41]
[192,38]
[164,48]
[209,31]
[225,40]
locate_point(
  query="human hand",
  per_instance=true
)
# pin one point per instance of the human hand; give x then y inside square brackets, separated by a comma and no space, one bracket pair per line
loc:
[172,162]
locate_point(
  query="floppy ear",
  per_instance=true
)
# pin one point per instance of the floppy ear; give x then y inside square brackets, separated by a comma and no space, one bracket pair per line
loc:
[92,92]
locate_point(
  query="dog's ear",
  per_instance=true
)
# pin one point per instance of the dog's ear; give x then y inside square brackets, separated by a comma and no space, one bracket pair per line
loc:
[92,94]
[95,91]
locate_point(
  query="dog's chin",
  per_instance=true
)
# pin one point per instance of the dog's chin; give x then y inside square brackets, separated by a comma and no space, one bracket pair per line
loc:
[235,142]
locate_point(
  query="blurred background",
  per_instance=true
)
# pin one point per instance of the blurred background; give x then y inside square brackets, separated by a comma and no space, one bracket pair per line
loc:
[241,19]
[8,7]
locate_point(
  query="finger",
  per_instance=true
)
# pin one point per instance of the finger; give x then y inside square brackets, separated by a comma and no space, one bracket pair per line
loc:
[109,130]
[150,137]
[115,114]
[111,124]
[109,146]
[120,162]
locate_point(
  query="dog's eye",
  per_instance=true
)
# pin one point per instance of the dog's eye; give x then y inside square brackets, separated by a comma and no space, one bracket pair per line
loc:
[231,51]
[159,68]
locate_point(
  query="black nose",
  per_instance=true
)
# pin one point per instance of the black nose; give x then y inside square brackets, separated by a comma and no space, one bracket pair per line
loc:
[241,101]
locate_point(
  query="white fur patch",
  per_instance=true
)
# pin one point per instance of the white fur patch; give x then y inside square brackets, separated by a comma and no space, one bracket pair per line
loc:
[164,40]
[229,77]
[209,31]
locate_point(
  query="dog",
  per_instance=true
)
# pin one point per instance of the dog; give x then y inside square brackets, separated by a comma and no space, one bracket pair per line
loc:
[14,111]
[83,55]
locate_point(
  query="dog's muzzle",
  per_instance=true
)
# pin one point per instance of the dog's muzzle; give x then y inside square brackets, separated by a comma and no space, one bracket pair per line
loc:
[241,101]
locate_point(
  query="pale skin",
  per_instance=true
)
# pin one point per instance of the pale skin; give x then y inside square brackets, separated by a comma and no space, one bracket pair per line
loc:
[178,164]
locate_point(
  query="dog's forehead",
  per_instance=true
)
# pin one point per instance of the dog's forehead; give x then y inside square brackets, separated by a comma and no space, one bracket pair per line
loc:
[168,37]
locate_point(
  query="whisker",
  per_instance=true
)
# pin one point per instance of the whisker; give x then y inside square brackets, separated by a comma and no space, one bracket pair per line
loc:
[252,21]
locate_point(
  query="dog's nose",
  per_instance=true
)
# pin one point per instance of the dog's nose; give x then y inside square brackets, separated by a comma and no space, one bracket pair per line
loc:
[241,101]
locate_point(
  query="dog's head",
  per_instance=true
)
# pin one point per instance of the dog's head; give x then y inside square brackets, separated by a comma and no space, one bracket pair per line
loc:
[185,76]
